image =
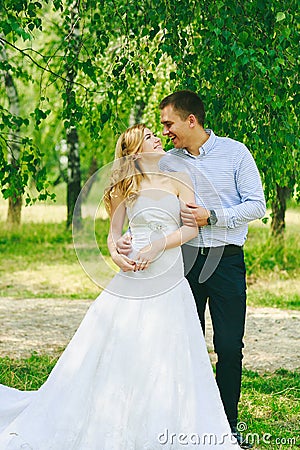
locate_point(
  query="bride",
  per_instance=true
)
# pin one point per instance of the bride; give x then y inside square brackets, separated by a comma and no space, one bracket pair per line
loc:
[136,375]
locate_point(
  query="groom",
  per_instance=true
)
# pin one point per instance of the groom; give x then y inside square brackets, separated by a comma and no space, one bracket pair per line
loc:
[229,194]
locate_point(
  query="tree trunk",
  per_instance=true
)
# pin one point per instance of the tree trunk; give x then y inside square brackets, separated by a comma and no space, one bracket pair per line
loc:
[74,173]
[278,211]
[74,179]
[90,179]
[15,201]
[14,210]
[136,113]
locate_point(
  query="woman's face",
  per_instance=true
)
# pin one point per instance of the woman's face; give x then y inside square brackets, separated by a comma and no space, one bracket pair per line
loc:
[151,143]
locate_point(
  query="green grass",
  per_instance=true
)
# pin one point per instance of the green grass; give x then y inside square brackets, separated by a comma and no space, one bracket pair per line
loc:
[267,298]
[269,406]
[39,260]
[273,267]
[26,374]
[265,254]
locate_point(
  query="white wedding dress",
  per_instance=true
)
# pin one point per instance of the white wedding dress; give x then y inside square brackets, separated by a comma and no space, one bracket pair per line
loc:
[136,375]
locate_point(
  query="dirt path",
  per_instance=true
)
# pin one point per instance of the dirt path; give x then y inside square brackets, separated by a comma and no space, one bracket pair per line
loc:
[46,326]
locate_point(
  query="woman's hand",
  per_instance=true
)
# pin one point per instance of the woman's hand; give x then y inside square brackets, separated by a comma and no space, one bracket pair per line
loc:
[148,254]
[123,244]
[126,264]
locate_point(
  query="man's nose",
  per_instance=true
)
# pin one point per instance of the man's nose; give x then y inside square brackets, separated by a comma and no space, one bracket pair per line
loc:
[165,131]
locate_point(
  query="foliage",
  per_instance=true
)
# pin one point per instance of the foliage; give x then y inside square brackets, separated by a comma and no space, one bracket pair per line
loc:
[15,174]
[240,57]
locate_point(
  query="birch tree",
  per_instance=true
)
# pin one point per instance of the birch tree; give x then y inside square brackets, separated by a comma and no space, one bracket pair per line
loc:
[15,199]
[109,56]
[70,109]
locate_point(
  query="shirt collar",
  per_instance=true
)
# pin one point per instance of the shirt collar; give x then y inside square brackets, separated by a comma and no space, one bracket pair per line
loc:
[207,146]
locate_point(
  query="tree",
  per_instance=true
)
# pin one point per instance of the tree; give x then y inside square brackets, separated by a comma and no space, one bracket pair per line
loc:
[70,111]
[20,159]
[240,57]
[15,200]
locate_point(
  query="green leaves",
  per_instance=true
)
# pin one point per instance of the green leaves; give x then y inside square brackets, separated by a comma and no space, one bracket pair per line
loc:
[240,57]
[280,16]
[11,121]
[89,69]
[39,115]
[238,51]
[20,18]
[14,176]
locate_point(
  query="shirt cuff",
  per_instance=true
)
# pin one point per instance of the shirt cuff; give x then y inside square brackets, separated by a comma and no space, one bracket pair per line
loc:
[226,217]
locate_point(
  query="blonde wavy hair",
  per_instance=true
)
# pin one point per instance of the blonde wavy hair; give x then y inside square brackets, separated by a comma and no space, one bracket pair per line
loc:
[126,176]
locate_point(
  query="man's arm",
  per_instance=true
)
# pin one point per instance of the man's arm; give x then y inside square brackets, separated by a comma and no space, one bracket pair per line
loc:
[117,217]
[249,187]
[251,207]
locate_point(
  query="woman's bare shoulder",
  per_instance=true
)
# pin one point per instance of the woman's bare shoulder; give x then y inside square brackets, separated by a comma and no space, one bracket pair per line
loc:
[182,178]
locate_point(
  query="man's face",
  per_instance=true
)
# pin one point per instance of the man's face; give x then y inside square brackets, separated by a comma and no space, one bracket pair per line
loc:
[175,128]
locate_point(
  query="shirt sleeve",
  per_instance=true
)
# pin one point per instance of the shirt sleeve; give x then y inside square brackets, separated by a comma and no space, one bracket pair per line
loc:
[249,187]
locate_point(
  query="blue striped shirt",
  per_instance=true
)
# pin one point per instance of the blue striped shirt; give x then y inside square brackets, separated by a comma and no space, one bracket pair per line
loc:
[225,179]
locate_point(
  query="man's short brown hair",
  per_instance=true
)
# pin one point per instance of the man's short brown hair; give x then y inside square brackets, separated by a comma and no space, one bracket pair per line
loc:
[185,103]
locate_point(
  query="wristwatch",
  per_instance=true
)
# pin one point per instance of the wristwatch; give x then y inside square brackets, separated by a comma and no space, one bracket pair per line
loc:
[212,219]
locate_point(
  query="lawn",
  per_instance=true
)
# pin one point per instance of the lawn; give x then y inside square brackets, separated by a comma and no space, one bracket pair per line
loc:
[38,261]
[269,406]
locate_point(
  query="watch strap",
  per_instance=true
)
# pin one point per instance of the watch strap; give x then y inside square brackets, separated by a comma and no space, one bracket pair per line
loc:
[212,219]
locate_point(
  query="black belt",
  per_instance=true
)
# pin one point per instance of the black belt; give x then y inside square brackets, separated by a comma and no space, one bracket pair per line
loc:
[226,250]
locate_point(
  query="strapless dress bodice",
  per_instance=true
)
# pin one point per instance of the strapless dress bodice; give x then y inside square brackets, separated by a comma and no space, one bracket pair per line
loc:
[151,218]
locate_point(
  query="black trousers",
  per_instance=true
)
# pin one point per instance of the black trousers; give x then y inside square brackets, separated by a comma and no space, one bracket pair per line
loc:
[224,287]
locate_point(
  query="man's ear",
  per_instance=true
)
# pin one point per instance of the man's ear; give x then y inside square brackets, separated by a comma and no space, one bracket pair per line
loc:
[192,121]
